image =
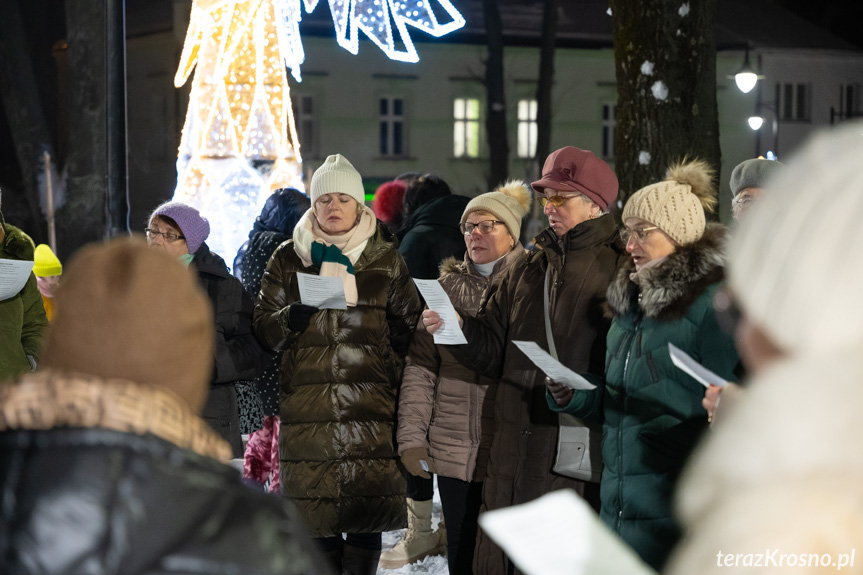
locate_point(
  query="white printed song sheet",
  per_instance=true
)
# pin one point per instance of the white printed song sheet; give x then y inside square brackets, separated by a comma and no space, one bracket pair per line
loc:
[13,276]
[700,373]
[539,537]
[322,291]
[555,370]
[437,300]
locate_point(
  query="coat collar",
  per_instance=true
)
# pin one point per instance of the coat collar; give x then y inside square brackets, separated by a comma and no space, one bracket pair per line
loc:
[585,235]
[453,266]
[668,290]
[16,243]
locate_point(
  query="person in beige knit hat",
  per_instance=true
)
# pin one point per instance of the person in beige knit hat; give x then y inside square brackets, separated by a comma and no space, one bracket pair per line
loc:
[651,410]
[453,445]
[110,465]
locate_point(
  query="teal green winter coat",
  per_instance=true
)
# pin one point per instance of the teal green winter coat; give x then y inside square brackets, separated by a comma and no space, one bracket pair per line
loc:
[651,411]
[22,317]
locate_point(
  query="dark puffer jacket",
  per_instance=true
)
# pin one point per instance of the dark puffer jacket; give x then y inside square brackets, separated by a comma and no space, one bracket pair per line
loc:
[118,497]
[239,356]
[22,316]
[445,407]
[431,235]
[651,410]
[338,390]
[525,436]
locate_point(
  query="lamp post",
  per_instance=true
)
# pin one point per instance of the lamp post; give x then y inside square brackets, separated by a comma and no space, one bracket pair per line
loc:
[756,121]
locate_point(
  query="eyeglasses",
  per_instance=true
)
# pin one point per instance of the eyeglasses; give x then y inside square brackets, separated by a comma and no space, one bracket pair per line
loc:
[639,233]
[727,313]
[169,236]
[742,200]
[485,226]
[556,200]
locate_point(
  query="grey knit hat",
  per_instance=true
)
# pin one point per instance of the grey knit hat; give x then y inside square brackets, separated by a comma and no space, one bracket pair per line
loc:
[753,174]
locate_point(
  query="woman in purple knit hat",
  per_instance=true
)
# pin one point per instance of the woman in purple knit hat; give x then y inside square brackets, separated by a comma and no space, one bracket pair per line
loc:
[180,230]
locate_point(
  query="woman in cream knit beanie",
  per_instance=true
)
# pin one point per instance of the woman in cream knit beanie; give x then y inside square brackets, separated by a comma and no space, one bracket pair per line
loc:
[509,204]
[652,411]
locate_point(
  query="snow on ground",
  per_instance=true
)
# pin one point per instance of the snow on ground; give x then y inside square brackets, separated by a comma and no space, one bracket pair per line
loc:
[435,565]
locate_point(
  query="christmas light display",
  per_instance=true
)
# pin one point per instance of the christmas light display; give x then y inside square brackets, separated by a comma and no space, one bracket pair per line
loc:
[239,140]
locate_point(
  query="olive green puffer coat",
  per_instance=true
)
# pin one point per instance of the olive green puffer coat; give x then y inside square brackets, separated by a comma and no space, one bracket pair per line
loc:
[338,388]
[651,410]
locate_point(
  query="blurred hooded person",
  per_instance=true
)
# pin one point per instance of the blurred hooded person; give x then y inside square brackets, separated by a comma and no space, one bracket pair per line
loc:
[105,463]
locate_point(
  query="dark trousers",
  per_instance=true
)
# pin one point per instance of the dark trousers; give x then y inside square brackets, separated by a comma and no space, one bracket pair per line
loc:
[370,541]
[223,416]
[460,501]
[419,488]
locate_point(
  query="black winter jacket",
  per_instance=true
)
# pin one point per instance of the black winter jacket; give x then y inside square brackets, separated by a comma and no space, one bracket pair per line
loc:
[431,235]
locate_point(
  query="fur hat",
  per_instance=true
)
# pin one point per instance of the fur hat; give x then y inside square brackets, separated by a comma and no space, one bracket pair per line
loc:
[194,226]
[337,176]
[127,311]
[45,262]
[509,203]
[571,169]
[753,174]
[388,201]
[677,204]
[794,262]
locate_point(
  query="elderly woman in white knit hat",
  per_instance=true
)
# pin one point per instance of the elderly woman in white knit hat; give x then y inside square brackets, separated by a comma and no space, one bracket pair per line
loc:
[340,369]
[651,411]
[445,409]
[777,483]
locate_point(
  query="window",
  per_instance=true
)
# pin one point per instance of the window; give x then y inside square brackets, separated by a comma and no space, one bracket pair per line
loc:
[392,125]
[849,100]
[609,121]
[793,102]
[466,128]
[526,128]
[304,116]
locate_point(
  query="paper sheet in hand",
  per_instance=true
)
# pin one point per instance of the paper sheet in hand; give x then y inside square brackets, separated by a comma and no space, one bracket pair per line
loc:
[559,534]
[437,300]
[551,367]
[700,373]
[321,291]
[13,276]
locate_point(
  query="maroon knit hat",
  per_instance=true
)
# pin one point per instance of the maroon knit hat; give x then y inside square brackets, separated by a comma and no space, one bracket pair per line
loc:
[194,226]
[576,170]
[388,201]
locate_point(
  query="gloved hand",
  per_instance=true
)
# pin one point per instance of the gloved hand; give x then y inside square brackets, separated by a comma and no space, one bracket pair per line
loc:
[411,460]
[299,316]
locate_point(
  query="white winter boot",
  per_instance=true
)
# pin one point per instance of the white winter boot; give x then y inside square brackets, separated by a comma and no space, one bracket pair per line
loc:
[419,541]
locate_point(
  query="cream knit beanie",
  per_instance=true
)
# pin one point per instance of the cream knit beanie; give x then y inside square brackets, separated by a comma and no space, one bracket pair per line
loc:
[794,262]
[337,176]
[677,204]
[508,203]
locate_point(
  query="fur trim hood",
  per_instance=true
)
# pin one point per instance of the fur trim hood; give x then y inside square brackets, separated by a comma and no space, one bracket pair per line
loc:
[17,244]
[668,290]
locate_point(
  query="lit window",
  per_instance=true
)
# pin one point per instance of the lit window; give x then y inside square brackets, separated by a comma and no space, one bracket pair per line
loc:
[466,128]
[527,128]
[609,121]
[392,128]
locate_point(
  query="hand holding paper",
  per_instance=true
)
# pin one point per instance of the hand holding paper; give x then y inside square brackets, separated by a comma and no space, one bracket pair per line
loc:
[438,301]
[551,367]
[322,291]
[697,371]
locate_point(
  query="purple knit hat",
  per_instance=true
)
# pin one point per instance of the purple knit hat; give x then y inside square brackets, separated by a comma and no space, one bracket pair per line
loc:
[194,226]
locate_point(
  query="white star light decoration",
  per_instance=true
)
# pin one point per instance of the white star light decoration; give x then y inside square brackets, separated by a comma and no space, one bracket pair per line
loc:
[239,140]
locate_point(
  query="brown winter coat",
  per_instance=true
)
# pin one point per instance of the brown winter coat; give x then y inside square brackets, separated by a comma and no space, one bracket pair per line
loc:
[445,407]
[525,435]
[339,381]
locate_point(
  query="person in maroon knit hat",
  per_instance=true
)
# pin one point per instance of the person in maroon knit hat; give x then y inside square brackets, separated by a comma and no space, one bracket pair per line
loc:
[388,203]
[578,255]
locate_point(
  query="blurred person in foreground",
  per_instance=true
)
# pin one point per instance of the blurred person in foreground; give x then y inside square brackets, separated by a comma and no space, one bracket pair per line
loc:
[650,410]
[446,411]
[777,486]
[273,227]
[578,256]
[105,464]
[22,316]
[180,231]
[340,369]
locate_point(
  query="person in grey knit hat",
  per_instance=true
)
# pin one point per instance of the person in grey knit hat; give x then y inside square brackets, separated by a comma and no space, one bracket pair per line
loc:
[748,179]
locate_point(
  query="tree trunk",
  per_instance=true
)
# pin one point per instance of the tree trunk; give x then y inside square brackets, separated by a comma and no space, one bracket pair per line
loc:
[669,111]
[20,98]
[545,83]
[496,108]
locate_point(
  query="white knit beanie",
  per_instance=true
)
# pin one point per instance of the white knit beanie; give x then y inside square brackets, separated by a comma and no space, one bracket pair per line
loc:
[676,205]
[795,261]
[508,203]
[337,176]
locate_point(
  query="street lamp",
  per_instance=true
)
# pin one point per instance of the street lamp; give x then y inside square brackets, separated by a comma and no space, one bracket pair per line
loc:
[757,120]
[746,78]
